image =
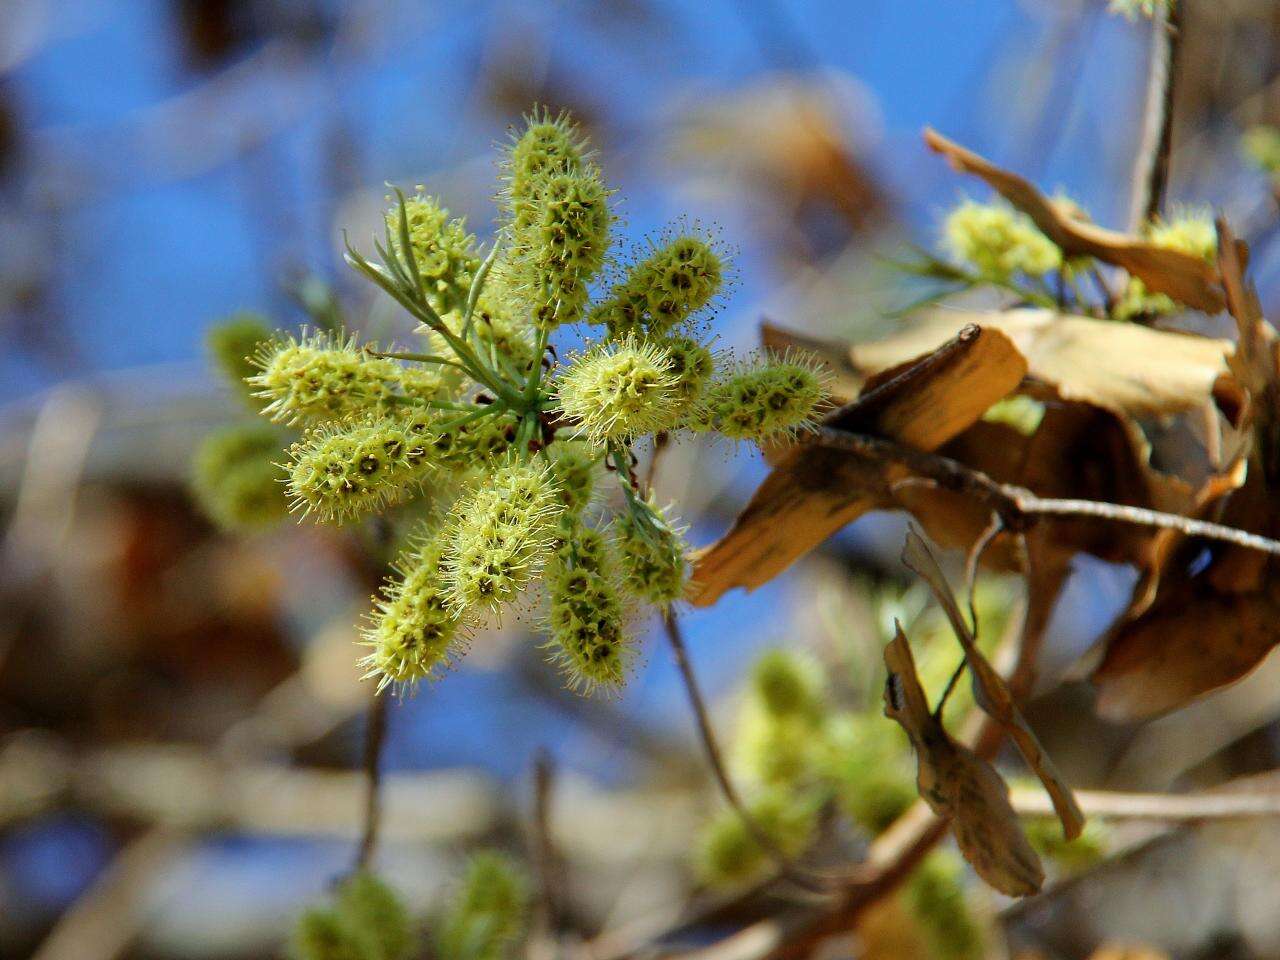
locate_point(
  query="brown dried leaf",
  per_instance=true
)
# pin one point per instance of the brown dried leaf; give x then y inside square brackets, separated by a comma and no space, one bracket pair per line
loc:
[1184,277]
[990,690]
[959,785]
[813,492]
[1123,367]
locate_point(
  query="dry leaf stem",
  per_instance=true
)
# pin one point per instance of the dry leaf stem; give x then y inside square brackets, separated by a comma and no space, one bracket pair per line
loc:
[1017,507]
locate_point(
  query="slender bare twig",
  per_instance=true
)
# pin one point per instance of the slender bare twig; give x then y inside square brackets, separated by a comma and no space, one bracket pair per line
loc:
[715,758]
[1017,507]
[375,735]
[1151,166]
[1212,805]
[547,860]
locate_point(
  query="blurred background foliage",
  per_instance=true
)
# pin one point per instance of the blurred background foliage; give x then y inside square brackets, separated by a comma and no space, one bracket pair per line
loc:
[181,708]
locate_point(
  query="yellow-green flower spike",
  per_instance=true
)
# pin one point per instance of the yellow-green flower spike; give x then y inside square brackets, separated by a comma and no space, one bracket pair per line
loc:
[729,855]
[324,935]
[412,634]
[563,248]
[869,764]
[549,146]
[788,684]
[588,633]
[767,400]
[233,344]
[498,536]
[235,479]
[320,378]
[998,241]
[368,922]
[488,916]
[574,464]
[663,290]
[935,898]
[1189,231]
[1261,147]
[444,252]
[374,909]
[651,552]
[344,471]
[692,366]
[775,750]
[618,391]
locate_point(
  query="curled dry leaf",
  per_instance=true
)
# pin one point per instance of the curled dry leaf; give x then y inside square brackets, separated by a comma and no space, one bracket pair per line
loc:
[1182,276]
[1126,368]
[1192,630]
[990,690]
[812,492]
[959,785]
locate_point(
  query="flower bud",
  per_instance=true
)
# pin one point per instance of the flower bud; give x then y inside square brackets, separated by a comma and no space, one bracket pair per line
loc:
[489,913]
[443,251]
[999,241]
[766,400]
[663,290]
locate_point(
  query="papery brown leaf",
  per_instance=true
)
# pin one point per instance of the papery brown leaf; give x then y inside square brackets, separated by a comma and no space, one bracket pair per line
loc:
[959,785]
[1123,367]
[1190,633]
[990,690]
[813,492]
[1192,643]
[1184,277]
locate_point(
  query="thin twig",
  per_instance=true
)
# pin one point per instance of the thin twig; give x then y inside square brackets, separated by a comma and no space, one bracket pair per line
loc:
[1151,167]
[547,860]
[375,735]
[1212,805]
[715,759]
[1017,507]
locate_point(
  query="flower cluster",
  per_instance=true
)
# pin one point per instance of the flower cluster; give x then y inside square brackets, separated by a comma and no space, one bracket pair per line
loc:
[1188,231]
[998,241]
[486,918]
[499,441]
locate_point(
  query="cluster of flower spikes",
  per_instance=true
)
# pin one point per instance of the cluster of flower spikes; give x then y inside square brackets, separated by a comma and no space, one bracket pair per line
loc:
[998,241]
[495,443]
[485,918]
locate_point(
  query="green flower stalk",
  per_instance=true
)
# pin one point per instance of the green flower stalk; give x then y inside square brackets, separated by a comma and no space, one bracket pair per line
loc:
[998,241]
[766,401]
[663,290]
[498,536]
[586,621]
[319,378]
[235,479]
[619,391]
[342,471]
[488,914]
[651,551]
[413,635]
